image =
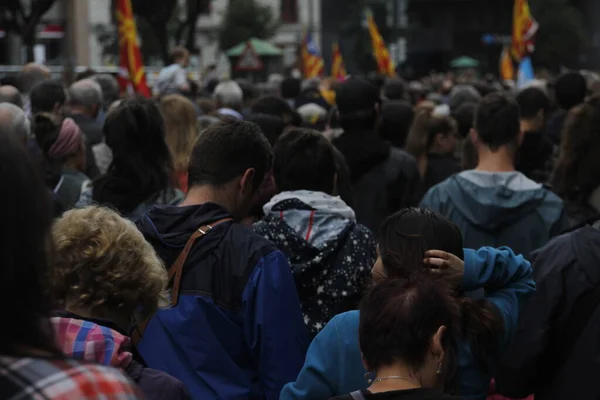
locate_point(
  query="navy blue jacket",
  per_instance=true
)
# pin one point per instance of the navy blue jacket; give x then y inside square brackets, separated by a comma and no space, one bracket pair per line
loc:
[237,331]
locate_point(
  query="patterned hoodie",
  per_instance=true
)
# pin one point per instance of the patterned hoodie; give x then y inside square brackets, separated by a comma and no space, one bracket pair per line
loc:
[330,254]
[99,341]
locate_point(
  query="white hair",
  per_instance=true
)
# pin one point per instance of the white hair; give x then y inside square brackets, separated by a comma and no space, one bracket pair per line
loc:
[228,94]
[85,93]
[15,120]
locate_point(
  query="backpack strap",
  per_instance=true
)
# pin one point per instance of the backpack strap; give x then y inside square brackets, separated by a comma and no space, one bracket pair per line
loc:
[358,395]
[175,274]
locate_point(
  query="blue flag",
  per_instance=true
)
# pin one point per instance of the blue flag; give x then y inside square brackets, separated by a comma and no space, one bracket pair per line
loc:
[526,74]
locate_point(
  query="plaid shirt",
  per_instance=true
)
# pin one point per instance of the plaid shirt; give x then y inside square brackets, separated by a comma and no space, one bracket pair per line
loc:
[62,379]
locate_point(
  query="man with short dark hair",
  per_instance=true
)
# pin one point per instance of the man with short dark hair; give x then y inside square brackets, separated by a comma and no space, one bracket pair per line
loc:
[534,157]
[237,330]
[48,96]
[331,254]
[384,179]
[570,90]
[494,205]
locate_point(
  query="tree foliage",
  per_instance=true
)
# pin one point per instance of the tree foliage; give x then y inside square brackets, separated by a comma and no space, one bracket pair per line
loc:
[22,20]
[561,37]
[245,19]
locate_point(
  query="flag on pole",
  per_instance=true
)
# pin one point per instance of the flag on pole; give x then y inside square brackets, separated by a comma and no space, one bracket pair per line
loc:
[385,65]
[526,73]
[312,62]
[131,58]
[338,68]
[507,69]
[524,29]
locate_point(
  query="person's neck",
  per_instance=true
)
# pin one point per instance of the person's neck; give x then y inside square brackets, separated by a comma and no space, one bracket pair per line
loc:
[73,165]
[409,382]
[198,195]
[528,125]
[501,160]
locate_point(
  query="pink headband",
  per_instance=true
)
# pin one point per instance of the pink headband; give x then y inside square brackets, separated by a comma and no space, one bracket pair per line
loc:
[68,141]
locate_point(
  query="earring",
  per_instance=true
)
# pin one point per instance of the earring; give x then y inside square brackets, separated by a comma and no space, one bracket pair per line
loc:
[439,369]
[368,378]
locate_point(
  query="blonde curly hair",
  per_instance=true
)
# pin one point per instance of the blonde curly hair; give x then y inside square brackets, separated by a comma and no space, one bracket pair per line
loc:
[101,262]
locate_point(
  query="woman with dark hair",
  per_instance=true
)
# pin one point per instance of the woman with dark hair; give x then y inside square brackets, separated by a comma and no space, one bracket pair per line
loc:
[140,174]
[407,336]
[396,119]
[31,364]
[577,174]
[411,241]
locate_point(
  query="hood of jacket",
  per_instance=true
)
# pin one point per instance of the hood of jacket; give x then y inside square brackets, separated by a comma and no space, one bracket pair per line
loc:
[362,151]
[493,201]
[86,340]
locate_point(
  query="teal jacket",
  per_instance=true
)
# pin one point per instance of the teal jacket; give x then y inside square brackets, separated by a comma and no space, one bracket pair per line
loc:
[499,209]
[333,363]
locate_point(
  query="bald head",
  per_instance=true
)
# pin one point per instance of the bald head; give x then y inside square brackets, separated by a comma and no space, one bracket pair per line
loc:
[14,121]
[32,74]
[85,97]
[10,94]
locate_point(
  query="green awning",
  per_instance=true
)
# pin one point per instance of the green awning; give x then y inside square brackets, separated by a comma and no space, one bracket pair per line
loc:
[261,47]
[464,62]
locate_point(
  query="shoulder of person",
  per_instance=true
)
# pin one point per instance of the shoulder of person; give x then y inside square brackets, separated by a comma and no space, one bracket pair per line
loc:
[157,384]
[250,242]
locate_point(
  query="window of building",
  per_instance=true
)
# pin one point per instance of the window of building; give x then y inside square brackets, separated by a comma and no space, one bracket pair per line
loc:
[289,11]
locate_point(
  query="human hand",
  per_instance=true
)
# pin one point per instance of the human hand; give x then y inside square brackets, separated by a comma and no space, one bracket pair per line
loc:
[446,266]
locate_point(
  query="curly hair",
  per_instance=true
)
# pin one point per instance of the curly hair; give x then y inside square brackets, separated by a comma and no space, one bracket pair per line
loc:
[103,263]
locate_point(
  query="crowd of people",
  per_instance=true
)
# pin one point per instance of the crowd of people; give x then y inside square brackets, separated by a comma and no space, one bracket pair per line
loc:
[361,239]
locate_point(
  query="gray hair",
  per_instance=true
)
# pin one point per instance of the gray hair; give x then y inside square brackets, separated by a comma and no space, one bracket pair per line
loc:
[110,88]
[85,93]
[10,94]
[31,74]
[229,94]
[15,121]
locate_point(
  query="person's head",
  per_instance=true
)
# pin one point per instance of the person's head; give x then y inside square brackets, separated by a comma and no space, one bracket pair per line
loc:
[413,324]
[228,94]
[206,106]
[141,166]
[464,116]
[290,88]
[104,268]
[570,90]
[270,125]
[276,106]
[304,160]
[395,121]
[497,124]
[31,74]
[10,94]
[48,96]
[358,104]
[313,116]
[180,118]
[248,92]
[85,97]
[110,88]
[180,55]
[395,89]
[431,133]
[577,172]
[24,253]
[534,105]
[85,74]
[14,122]
[463,94]
[230,159]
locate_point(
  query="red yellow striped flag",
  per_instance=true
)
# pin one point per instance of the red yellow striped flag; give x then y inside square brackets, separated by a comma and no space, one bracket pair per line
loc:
[385,65]
[338,68]
[131,58]
[524,29]
[312,62]
[507,69]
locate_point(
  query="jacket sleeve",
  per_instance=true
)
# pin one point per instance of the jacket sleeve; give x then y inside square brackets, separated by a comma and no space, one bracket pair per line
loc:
[320,374]
[506,278]
[274,327]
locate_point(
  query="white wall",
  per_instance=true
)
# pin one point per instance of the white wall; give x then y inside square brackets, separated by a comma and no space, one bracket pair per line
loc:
[99,13]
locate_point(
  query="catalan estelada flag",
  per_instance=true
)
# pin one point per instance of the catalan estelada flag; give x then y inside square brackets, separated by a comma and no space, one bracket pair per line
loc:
[338,68]
[385,65]
[507,68]
[131,58]
[312,62]
[524,29]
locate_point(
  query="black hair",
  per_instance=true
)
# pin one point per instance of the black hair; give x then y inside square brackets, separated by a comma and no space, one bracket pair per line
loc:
[398,319]
[395,89]
[356,100]
[272,105]
[304,160]
[531,101]
[396,120]
[290,88]
[224,151]
[24,249]
[46,129]
[248,89]
[570,90]
[464,115]
[404,238]
[46,94]
[498,121]
[271,126]
[141,167]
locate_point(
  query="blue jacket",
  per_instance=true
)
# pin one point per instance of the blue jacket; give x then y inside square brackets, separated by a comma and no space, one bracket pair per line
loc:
[333,363]
[237,331]
[499,209]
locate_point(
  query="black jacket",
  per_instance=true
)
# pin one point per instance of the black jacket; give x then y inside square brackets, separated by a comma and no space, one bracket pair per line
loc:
[384,179]
[541,360]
